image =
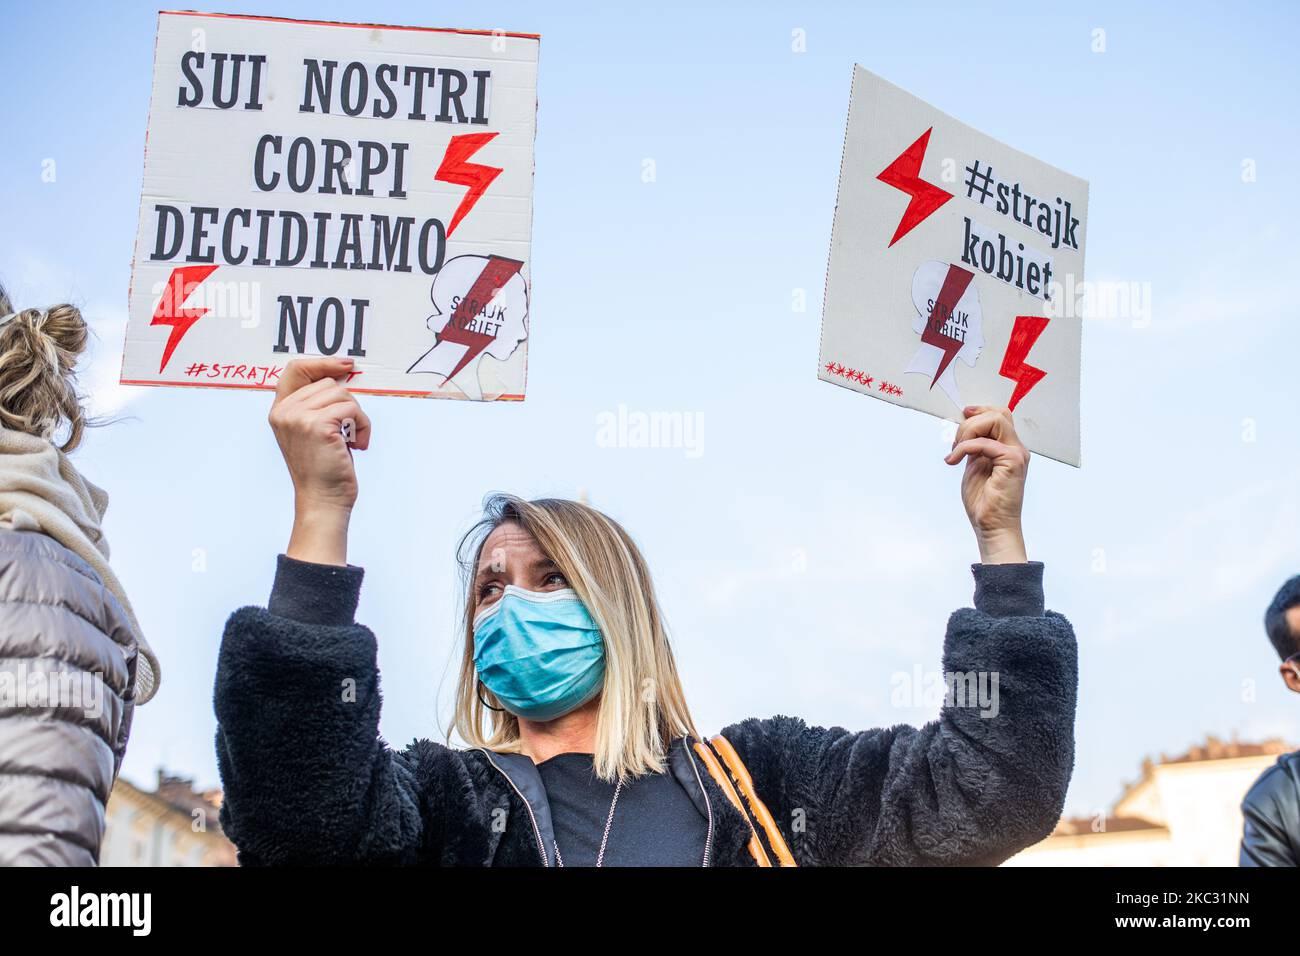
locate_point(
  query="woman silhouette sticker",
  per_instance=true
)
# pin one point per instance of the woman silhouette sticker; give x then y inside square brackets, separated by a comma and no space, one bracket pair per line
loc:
[949,321]
[480,308]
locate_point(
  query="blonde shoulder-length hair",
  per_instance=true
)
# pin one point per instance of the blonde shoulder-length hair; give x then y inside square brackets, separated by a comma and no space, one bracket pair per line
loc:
[642,706]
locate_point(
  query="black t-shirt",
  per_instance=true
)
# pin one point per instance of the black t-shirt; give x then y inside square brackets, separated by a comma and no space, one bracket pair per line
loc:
[655,823]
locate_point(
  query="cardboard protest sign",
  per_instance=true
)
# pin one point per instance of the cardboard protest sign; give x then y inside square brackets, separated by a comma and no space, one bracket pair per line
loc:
[953,269]
[336,189]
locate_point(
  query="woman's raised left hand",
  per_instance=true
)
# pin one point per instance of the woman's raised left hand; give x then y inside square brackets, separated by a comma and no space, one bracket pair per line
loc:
[993,487]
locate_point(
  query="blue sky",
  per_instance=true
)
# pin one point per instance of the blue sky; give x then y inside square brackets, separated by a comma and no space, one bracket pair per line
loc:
[817,545]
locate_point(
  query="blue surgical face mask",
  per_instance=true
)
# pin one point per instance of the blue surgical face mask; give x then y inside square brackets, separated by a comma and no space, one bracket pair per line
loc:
[539,652]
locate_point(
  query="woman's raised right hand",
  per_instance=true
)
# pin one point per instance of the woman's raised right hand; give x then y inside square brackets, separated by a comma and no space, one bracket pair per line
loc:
[307,418]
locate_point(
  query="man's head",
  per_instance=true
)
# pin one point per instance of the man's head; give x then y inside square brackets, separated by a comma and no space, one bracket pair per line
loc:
[1282,622]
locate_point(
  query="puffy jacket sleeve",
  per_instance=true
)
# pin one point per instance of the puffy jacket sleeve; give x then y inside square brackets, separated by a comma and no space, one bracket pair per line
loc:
[66,702]
[984,780]
[307,778]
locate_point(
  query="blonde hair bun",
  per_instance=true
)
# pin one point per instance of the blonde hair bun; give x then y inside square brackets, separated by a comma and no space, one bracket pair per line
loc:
[38,359]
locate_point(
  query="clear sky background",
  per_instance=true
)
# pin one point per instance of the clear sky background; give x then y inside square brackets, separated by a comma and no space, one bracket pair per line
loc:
[818,544]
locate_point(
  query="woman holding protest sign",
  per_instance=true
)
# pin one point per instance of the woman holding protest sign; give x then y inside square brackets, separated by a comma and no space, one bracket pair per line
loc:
[581,748]
[73,663]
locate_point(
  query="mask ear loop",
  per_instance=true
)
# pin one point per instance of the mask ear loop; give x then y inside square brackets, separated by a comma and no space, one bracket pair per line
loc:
[499,710]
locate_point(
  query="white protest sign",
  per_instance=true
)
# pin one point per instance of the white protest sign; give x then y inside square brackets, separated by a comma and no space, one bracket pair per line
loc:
[337,189]
[953,271]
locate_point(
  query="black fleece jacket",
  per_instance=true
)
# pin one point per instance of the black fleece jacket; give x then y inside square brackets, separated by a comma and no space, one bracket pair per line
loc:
[308,780]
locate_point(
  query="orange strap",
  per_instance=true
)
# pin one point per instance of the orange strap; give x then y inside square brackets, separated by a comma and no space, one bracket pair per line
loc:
[724,782]
[756,806]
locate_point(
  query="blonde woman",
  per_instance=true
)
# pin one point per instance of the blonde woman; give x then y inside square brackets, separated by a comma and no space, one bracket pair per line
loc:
[580,747]
[73,663]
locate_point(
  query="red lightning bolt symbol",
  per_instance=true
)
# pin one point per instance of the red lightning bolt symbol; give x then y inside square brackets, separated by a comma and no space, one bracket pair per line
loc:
[456,169]
[1023,336]
[954,287]
[180,284]
[904,174]
[495,274]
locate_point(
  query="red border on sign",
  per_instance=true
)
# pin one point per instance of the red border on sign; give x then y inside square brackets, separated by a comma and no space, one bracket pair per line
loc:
[339,23]
[360,391]
[321,23]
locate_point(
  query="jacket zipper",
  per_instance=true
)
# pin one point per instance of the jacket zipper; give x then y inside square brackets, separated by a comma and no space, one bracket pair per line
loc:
[708,805]
[537,831]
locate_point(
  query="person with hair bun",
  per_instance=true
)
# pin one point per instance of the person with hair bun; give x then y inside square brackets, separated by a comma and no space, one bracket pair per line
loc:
[73,661]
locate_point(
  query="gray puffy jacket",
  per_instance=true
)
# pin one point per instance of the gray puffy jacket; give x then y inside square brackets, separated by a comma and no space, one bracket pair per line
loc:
[67,669]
